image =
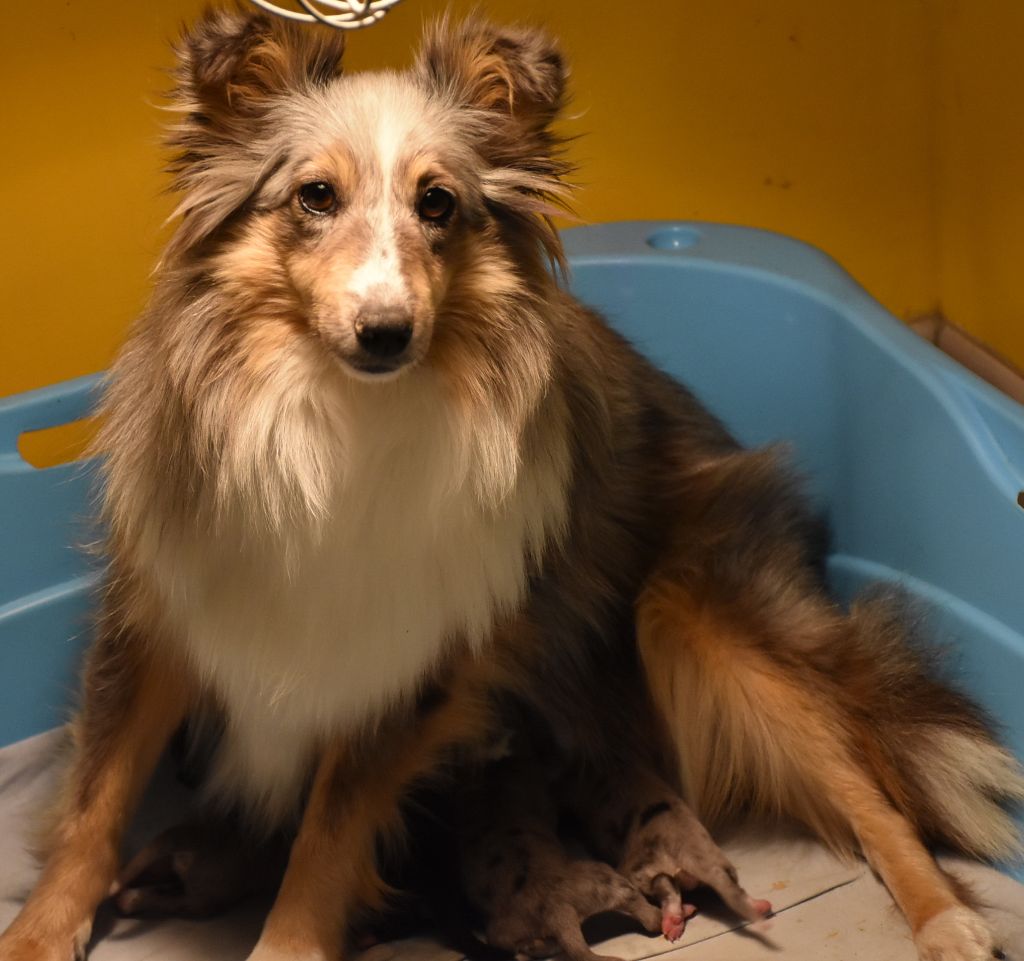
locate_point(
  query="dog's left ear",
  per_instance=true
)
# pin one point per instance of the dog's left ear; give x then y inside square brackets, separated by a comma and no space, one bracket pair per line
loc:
[233,66]
[517,74]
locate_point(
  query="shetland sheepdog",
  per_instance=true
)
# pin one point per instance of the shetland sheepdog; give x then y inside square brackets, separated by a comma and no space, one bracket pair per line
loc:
[369,467]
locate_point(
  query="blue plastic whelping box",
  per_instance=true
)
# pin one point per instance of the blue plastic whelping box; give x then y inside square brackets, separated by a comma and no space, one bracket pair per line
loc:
[919,464]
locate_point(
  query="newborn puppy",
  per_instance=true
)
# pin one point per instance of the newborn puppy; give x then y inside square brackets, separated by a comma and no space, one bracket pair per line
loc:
[516,870]
[198,869]
[637,821]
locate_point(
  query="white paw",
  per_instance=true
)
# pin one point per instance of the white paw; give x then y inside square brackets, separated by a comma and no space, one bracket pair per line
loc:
[957,934]
[81,940]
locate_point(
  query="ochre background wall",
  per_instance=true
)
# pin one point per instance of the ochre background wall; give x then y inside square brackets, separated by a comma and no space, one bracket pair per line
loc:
[886,133]
[979,156]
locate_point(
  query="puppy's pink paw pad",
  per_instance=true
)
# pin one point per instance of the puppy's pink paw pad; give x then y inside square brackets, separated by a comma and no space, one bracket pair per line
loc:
[673,925]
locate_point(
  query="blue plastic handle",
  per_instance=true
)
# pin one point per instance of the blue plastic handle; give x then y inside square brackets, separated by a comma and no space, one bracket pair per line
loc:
[39,409]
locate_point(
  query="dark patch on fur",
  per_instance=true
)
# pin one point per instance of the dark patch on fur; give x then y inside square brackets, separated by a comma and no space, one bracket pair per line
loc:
[433,696]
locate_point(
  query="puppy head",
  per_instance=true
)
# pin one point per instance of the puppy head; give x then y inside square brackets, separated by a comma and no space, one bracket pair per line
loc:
[352,211]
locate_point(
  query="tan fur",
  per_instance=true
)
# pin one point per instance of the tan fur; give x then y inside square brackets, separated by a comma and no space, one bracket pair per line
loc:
[707,677]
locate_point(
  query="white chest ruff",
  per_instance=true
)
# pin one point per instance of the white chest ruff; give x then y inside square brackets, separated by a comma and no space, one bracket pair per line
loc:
[305,636]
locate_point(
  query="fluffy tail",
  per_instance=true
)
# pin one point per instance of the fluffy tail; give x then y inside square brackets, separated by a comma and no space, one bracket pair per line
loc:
[934,751]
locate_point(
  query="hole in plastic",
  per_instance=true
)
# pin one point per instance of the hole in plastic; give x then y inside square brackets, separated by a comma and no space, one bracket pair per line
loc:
[63,444]
[673,238]
[1020,499]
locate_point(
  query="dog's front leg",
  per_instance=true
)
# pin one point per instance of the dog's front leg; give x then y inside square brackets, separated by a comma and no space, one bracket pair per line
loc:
[355,797]
[134,699]
[308,918]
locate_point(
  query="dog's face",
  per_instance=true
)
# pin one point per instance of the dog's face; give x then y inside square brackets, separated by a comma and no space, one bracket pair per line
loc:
[349,204]
[368,215]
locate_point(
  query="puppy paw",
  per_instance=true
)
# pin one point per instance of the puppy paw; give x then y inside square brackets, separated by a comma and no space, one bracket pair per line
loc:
[673,921]
[957,934]
[674,911]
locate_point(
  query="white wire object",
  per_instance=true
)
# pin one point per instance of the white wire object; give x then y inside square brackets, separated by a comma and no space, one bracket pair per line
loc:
[342,14]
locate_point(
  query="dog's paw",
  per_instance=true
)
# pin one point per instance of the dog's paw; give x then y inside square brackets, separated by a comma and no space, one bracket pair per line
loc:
[957,934]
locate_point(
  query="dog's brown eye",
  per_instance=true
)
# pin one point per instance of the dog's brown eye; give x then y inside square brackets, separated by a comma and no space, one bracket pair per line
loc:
[436,205]
[318,197]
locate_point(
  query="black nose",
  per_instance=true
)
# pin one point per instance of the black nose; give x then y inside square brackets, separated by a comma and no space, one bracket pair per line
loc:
[384,334]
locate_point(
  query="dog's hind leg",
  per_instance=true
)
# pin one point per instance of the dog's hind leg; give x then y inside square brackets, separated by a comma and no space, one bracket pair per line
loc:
[752,723]
[134,701]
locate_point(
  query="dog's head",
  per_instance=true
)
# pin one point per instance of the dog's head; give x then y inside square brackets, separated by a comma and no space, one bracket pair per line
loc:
[359,208]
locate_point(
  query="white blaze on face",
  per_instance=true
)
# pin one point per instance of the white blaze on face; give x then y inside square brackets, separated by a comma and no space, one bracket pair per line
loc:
[378,279]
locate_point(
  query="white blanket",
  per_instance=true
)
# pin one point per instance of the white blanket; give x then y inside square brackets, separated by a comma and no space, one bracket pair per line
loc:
[826,910]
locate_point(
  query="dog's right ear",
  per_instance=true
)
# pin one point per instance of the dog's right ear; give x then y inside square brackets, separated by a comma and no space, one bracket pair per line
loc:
[233,66]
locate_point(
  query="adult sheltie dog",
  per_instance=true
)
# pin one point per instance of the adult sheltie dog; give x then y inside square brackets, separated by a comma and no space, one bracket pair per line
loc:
[369,468]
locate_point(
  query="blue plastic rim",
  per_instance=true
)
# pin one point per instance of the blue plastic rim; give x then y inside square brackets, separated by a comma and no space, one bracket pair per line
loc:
[918,463]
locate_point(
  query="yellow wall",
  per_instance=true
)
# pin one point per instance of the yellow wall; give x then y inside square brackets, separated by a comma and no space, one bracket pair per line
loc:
[876,130]
[979,155]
